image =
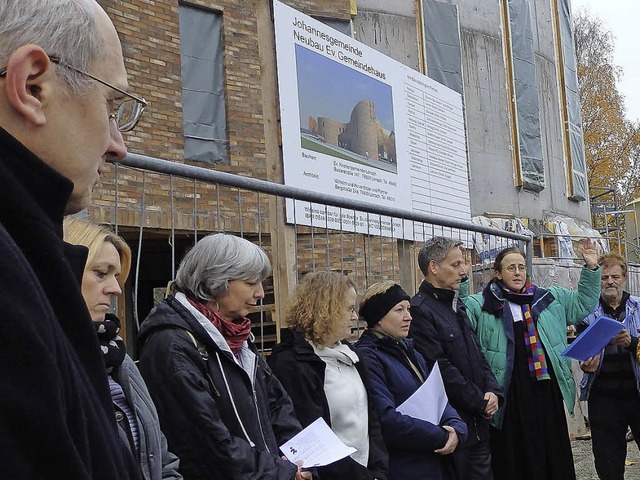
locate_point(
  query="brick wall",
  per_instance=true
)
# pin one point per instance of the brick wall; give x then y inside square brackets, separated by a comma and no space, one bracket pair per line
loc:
[149,32]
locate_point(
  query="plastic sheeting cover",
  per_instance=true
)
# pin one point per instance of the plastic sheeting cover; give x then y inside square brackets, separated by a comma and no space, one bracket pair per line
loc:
[576,140]
[205,135]
[442,44]
[526,93]
[487,246]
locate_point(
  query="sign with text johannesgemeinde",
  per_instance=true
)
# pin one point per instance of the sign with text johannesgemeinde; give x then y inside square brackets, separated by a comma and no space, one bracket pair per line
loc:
[358,124]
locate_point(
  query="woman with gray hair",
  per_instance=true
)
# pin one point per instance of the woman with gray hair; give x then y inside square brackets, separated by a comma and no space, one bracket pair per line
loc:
[222,411]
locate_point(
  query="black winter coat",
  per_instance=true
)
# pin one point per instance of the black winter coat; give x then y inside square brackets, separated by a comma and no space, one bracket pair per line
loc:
[301,372]
[219,421]
[56,415]
[411,442]
[446,336]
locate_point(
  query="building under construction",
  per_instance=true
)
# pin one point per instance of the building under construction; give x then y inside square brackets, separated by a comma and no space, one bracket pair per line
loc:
[209,72]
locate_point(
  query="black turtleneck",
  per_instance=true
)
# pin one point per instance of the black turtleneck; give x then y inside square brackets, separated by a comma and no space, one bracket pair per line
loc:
[34,198]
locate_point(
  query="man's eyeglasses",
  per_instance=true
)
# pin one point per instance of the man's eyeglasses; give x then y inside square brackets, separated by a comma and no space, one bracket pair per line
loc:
[126,112]
[513,268]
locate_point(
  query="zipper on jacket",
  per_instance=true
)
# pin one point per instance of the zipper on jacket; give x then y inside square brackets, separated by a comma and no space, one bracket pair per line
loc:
[255,402]
[475,425]
[233,403]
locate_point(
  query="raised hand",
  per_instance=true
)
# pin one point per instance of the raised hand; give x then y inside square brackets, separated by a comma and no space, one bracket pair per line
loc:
[466,255]
[589,253]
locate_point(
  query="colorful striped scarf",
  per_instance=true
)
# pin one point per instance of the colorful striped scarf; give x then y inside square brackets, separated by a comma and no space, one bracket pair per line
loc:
[535,352]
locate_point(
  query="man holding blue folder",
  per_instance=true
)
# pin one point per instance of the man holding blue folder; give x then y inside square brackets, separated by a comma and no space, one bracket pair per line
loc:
[611,382]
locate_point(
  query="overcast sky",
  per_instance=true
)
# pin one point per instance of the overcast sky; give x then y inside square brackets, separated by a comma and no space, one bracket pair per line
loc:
[621,18]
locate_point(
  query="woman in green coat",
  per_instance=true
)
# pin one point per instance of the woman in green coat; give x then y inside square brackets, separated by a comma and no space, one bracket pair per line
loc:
[521,329]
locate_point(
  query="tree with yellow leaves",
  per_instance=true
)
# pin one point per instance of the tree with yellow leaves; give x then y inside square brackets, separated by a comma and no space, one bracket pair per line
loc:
[612,143]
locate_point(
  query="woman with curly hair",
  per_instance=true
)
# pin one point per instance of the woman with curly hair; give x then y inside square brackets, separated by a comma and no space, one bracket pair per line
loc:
[325,377]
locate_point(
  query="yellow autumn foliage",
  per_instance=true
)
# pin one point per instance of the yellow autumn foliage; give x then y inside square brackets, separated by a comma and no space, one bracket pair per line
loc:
[612,142]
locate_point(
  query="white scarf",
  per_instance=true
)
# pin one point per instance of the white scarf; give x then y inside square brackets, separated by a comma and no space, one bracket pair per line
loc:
[347,398]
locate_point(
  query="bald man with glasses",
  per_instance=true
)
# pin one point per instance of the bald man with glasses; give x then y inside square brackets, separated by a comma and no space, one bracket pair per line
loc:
[611,383]
[64,104]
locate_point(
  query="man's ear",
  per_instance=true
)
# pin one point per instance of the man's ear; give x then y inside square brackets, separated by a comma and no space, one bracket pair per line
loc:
[28,82]
[433,267]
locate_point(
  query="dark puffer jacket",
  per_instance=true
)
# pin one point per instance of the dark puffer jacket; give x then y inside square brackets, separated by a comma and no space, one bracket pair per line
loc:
[220,421]
[445,335]
[410,442]
[302,372]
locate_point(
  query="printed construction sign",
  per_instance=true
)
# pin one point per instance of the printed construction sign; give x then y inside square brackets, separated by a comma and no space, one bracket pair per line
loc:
[358,124]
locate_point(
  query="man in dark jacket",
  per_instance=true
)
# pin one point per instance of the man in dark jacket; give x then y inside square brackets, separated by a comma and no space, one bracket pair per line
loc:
[56,415]
[443,333]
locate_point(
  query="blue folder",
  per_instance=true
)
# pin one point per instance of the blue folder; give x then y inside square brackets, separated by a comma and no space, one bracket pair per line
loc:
[591,342]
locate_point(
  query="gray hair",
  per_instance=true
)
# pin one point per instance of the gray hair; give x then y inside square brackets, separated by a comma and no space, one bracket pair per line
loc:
[207,269]
[436,249]
[63,28]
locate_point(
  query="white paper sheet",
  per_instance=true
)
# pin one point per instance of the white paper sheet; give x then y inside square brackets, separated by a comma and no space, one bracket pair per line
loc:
[316,446]
[429,401]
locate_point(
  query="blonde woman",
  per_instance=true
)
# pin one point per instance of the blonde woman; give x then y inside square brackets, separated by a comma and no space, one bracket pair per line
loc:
[104,276]
[324,376]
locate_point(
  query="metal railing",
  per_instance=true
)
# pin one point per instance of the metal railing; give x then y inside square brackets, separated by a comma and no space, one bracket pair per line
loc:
[163,207]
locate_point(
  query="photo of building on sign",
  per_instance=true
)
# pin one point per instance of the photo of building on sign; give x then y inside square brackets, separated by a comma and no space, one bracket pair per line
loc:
[344,113]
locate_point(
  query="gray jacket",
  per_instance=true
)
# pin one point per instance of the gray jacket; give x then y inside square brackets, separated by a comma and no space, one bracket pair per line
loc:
[156,462]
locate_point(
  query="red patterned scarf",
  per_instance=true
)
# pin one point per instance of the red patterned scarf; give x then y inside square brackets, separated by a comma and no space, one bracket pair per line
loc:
[234,333]
[535,353]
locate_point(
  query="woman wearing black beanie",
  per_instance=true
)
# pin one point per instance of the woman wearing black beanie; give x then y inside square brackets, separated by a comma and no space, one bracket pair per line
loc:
[417,448]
